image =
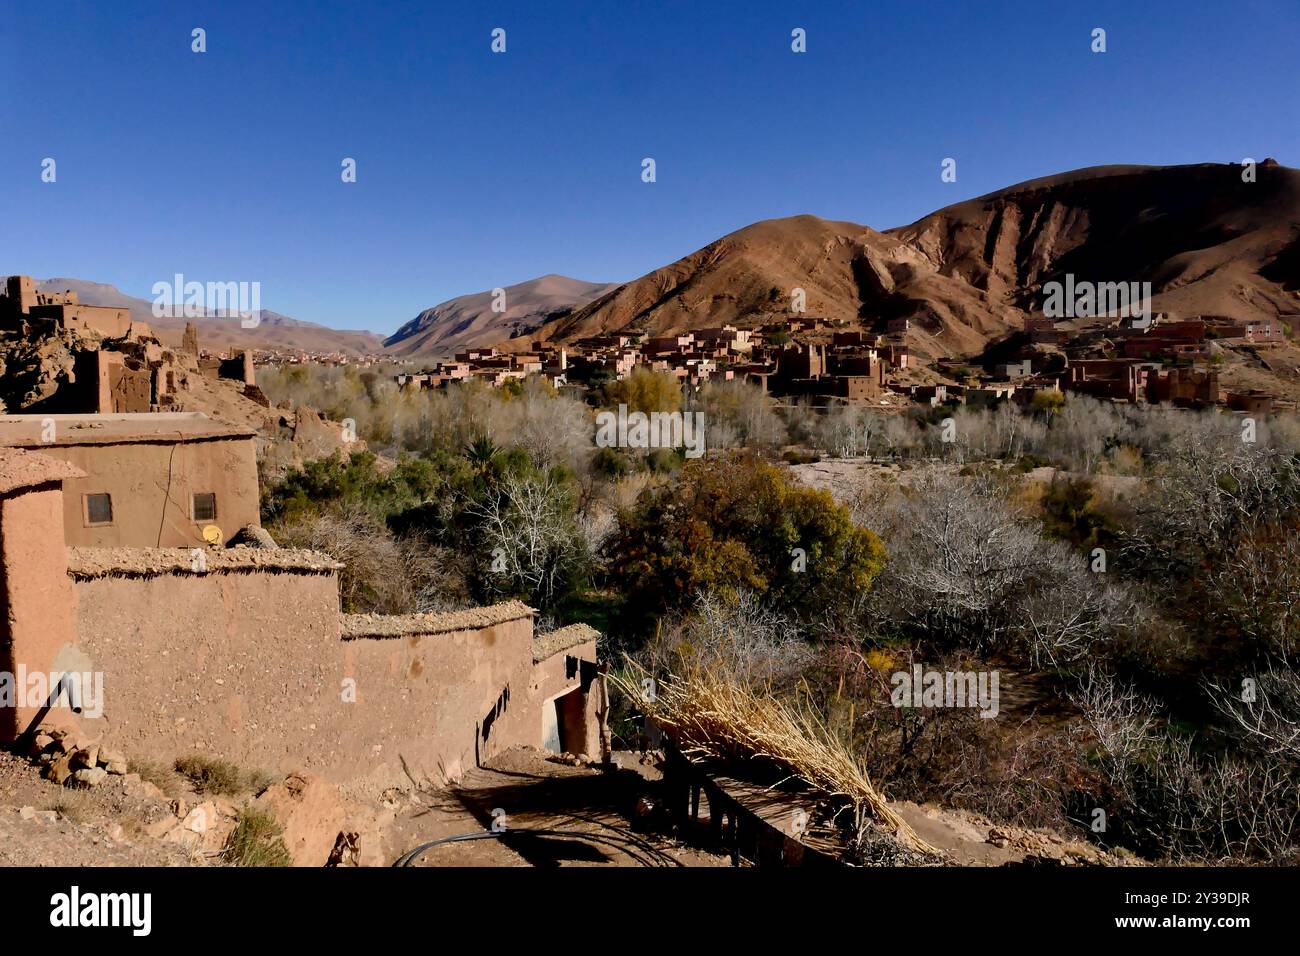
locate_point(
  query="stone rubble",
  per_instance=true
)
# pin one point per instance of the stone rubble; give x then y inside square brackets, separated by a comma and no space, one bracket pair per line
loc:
[74,760]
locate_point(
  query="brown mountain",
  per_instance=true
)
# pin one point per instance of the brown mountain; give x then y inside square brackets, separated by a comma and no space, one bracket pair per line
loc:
[1208,243]
[220,332]
[468,320]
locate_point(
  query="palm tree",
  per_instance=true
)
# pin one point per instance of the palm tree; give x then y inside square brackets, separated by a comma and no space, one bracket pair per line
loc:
[480,452]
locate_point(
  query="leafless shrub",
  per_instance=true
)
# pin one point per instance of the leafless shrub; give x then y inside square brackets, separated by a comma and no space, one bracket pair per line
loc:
[1195,807]
[1205,494]
[597,524]
[1174,800]
[965,568]
[1266,717]
[1073,610]
[528,534]
[1015,770]
[751,641]
[553,428]
[1122,720]
[734,635]
[381,574]
[738,414]
[1254,589]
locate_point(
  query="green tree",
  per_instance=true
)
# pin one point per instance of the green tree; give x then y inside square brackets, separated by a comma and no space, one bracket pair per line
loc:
[737,523]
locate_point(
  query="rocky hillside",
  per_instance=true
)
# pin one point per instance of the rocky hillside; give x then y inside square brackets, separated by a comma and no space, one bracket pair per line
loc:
[1207,241]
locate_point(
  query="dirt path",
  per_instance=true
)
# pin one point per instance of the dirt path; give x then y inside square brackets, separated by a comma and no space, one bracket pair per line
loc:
[523,790]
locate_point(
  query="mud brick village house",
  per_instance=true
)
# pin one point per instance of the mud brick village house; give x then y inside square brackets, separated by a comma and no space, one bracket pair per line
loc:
[130,547]
[241,652]
[149,480]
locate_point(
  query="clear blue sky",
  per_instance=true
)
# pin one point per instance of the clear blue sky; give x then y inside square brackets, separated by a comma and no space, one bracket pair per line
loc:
[478,169]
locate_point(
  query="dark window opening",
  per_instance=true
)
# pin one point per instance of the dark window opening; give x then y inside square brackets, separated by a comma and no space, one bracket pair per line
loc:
[99,509]
[205,506]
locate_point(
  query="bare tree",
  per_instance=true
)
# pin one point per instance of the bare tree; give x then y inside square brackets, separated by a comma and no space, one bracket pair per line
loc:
[752,642]
[530,539]
[1205,494]
[965,568]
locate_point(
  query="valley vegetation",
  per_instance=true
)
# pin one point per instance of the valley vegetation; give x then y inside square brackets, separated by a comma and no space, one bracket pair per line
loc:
[1131,572]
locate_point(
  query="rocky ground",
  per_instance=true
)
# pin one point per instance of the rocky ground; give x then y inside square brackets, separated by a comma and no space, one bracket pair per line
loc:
[967,839]
[125,820]
[595,817]
[43,823]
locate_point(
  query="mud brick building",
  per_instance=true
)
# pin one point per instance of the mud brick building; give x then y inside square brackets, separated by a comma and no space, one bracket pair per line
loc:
[150,480]
[244,655]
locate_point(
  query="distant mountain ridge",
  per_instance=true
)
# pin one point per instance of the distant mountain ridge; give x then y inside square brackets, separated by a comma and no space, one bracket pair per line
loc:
[469,320]
[967,274]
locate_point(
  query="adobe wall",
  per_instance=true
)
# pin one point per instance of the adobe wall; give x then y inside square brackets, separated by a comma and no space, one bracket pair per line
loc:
[565,660]
[109,321]
[238,367]
[229,663]
[453,689]
[35,597]
[439,701]
[151,484]
[257,666]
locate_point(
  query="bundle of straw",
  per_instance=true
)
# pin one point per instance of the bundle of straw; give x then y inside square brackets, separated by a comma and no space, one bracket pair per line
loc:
[707,714]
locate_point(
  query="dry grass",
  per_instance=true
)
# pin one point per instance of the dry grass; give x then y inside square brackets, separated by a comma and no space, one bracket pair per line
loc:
[709,714]
[213,775]
[71,805]
[257,840]
[158,774]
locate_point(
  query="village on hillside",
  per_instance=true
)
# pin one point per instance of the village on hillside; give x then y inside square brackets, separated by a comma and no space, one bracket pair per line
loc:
[1160,360]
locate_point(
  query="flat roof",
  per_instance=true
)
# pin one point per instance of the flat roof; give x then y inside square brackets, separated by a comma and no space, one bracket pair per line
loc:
[30,431]
[548,645]
[88,563]
[25,469]
[446,622]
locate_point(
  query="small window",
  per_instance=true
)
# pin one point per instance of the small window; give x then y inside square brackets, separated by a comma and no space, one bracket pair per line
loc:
[99,509]
[205,506]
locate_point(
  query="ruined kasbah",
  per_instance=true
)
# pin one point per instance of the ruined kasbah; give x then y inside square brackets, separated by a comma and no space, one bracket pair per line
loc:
[150,618]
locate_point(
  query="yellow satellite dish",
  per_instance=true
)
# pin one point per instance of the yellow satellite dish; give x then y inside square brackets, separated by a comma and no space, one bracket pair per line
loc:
[212,534]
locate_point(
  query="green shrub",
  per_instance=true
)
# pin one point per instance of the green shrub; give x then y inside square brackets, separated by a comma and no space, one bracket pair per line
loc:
[611,463]
[737,523]
[257,840]
[663,461]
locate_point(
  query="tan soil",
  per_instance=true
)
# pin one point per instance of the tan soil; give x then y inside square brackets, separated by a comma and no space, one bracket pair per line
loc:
[540,793]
